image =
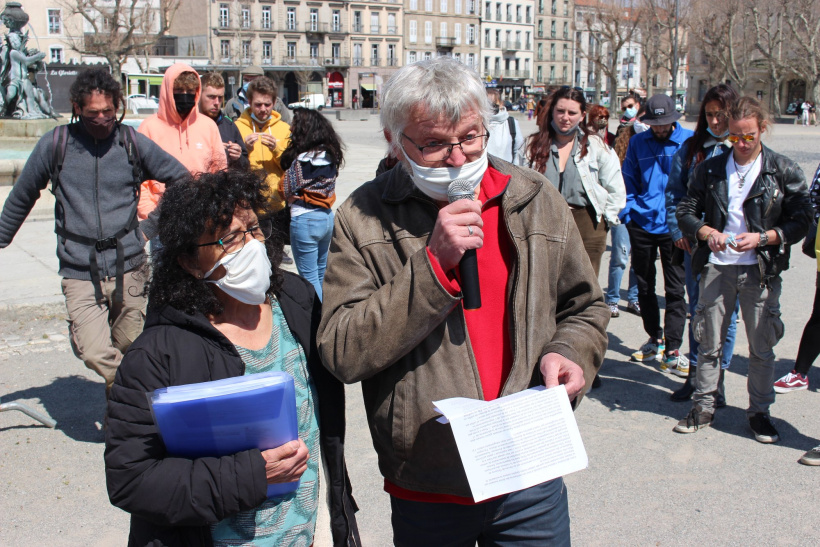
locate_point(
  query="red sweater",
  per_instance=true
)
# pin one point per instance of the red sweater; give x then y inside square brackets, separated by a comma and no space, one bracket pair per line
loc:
[488,325]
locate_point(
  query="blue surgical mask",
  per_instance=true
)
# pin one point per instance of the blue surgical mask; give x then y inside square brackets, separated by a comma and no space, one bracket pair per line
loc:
[245,87]
[723,136]
[631,112]
[257,120]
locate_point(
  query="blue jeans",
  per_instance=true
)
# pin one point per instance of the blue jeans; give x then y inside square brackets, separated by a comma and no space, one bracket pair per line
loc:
[618,259]
[536,516]
[693,291]
[310,240]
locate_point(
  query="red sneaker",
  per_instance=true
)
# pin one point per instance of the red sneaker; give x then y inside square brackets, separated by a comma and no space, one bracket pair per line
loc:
[793,381]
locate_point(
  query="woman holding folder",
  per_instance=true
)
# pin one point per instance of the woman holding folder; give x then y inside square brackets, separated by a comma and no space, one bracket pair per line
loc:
[220,307]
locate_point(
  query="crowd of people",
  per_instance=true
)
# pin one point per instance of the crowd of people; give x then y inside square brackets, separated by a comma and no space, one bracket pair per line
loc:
[217,191]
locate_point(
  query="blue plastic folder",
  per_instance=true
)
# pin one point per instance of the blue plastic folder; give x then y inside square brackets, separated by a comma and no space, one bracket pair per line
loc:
[222,417]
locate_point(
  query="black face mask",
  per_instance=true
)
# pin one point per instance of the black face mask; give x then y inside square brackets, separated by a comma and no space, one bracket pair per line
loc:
[99,127]
[185,102]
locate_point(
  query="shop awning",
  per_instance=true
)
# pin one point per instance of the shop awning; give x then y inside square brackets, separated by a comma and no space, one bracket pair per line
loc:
[368,87]
[153,79]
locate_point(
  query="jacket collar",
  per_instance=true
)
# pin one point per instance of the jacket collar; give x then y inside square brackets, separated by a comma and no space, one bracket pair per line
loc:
[522,186]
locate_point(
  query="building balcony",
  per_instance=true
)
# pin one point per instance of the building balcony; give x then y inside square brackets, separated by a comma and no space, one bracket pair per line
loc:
[511,45]
[445,42]
[392,62]
[338,29]
[516,73]
[527,46]
[529,19]
[300,60]
[392,29]
[358,28]
[375,29]
[375,61]
[337,62]
[315,27]
[519,19]
[357,61]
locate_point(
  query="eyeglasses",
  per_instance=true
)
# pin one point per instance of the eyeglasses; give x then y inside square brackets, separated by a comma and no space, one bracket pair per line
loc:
[735,138]
[233,242]
[440,152]
[719,114]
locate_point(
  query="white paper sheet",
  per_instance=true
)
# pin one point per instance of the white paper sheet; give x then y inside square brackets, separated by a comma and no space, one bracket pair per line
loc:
[516,441]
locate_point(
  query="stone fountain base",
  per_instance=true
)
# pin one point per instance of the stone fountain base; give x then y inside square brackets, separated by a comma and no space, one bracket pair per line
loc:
[28,129]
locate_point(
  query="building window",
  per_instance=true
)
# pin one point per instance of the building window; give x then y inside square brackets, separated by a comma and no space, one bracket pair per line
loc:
[471,35]
[564,74]
[428,5]
[457,6]
[428,32]
[554,7]
[374,54]
[529,15]
[471,60]
[267,52]
[246,51]
[457,33]
[266,19]
[488,11]
[314,53]
[427,55]
[442,30]
[413,32]
[246,16]
[509,13]
[291,51]
[566,31]
[337,21]
[357,21]
[552,52]
[336,52]
[443,6]
[391,55]
[552,73]
[374,23]
[498,12]
[540,76]
[224,16]
[566,8]
[540,51]
[411,57]
[55,23]
[414,5]
[291,18]
[56,55]
[552,28]
[391,24]
[225,50]
[565,54]
[314,19]
[357,55]
[471,7]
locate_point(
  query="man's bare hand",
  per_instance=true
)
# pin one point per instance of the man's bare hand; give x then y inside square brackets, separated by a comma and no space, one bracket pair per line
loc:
[746,241]
[684,244]
[268,140]
[250,139]
[233,150]
[451,234]
[558,370]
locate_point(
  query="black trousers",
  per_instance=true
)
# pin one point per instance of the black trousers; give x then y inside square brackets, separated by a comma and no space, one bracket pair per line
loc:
[645,248]
[810,341]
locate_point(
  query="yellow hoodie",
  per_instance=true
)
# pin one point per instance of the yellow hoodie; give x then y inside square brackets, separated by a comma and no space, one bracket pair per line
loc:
[262,157]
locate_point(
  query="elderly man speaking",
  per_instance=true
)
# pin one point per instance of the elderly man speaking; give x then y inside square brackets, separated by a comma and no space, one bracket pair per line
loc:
[393,316]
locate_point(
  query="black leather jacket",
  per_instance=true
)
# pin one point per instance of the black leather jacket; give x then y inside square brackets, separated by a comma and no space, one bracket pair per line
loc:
[778,200]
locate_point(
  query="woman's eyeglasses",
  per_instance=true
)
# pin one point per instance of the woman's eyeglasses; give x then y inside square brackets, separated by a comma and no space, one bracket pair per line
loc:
[234,242]
[735,138]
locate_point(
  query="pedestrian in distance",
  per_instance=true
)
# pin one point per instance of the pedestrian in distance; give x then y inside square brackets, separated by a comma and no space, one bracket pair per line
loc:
[210,104]
[598,121]
[646,172]
[745,210]
[96,165]
[708,141]
[311,162]
[393,315]
[506,139]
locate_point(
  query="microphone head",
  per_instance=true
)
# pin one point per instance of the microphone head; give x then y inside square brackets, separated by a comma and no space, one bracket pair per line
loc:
[460,189]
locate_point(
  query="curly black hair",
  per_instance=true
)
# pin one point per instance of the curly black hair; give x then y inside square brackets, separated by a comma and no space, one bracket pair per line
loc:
[311,130]
[205,203]
[96,79]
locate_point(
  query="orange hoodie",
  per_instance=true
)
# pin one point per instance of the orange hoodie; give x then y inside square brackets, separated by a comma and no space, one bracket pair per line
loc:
[194,141]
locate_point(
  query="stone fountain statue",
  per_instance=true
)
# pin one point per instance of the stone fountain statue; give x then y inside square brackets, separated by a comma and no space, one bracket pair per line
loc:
[20,96]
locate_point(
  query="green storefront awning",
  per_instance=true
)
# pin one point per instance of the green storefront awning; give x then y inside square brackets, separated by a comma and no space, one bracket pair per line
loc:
[152,79]
[368,87]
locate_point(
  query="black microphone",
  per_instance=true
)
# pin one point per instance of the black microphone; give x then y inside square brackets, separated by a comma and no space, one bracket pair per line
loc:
[468,267]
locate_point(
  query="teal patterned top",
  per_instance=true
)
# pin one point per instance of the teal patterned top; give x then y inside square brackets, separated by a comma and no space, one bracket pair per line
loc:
[289,519]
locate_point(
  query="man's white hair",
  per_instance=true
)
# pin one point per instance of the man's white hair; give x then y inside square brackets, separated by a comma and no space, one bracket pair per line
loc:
[441,88]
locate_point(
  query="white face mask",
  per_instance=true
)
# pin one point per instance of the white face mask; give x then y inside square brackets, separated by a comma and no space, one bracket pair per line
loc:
[434,181]
[640,127]
[247,273]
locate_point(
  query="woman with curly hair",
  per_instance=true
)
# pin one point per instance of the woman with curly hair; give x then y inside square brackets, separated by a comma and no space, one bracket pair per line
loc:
[220,307]
[311,163]
[581,166]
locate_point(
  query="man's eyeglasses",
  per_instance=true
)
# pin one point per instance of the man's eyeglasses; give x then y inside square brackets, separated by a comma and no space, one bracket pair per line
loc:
[234,242]
[719,114]
[735,138]
[440,152]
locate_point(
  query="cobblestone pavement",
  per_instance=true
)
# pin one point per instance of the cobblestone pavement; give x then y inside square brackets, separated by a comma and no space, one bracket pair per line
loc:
[645,484]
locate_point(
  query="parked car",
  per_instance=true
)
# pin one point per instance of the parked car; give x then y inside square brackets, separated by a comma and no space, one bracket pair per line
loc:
[140,104]
[313,101]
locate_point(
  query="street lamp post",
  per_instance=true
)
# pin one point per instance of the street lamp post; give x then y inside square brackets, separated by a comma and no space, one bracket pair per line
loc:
[675,58]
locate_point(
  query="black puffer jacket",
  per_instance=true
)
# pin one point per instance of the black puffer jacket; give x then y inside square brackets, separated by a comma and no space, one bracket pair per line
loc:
[173,501]
[778,200]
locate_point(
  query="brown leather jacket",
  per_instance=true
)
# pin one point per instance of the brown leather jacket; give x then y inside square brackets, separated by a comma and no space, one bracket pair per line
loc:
[389,323]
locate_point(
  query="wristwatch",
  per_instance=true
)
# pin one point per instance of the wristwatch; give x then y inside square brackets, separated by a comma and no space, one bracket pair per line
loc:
[764,239]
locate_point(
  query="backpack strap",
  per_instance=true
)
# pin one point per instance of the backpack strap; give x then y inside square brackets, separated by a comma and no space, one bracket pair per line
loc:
[59,143]
[511,124]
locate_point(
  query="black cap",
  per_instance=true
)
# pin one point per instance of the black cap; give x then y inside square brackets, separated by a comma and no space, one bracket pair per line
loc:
[660,110]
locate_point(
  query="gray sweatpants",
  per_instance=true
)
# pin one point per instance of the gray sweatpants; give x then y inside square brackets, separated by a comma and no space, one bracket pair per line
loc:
[720,287]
